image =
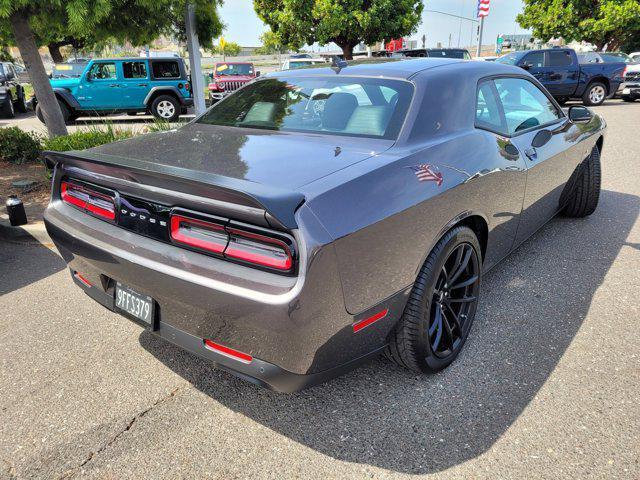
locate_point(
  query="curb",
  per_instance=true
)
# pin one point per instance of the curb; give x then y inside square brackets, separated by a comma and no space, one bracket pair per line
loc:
[29,233]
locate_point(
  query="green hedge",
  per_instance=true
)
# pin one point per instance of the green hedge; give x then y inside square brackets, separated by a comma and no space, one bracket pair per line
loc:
[18,146]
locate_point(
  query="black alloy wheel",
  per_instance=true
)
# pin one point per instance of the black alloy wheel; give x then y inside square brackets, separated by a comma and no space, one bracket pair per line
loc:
[455,296]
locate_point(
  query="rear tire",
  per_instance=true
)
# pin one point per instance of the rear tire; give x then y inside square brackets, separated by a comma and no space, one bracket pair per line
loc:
[584,198]
[439,313]
[166,107]
[66,114]
[7,109]
[21,103]
[595,94]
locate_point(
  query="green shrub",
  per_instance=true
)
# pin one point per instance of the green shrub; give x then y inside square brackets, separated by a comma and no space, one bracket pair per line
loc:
[18,146]
[83,139]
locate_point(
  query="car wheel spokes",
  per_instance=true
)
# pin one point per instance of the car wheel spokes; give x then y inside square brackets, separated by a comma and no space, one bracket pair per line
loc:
[454,297]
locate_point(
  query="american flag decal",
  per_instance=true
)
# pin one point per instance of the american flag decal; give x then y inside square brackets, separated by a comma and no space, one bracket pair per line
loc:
[483,8]
[425,173]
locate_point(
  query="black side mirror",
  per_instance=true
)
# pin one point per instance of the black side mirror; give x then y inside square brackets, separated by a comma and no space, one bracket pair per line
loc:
[541,138]
[526,66]
[89,77]
[578,113]
[257,73]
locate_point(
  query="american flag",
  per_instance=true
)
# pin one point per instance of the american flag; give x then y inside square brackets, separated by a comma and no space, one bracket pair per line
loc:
[483,8]
[425,173]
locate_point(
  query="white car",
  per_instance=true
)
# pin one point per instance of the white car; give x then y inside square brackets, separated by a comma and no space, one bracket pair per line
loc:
[635,56]
[293,63]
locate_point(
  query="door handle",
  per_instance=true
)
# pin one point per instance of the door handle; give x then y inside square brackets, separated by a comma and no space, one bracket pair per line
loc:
[142,84]
[531,154]
[113,85]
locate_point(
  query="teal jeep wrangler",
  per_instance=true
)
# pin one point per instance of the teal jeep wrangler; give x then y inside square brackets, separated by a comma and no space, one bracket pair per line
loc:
[159,86]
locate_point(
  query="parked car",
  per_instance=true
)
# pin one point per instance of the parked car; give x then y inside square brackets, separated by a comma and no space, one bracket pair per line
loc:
[317,218]
[159,86]
[635,56]
[560,72]
[631,87]
[433,52]
[227,77]
[294,63]
[630,70]
[12,97]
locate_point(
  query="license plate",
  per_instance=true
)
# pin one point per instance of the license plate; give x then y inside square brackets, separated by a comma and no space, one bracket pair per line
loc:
[135,304]
[626,91]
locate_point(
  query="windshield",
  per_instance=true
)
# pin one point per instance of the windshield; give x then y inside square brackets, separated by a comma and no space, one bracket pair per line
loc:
[223,69]
[364,107]
[616,57]
[510,58]
[301,64]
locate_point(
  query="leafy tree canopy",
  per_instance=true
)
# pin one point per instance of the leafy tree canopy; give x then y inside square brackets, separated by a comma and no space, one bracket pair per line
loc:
[270,43]
[344,22]
[230,48]
[615,23]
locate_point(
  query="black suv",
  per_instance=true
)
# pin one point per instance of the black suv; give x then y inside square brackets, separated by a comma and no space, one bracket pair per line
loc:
[11,92]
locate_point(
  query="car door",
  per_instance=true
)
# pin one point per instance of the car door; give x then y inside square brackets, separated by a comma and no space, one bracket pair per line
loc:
[534,63]
[536,127]
[101,88]
[561,73]
[135,83]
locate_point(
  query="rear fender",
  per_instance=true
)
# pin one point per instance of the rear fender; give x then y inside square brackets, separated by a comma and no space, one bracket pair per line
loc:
[168,89]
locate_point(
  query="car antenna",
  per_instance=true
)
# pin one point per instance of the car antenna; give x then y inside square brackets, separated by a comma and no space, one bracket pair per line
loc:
[337,63]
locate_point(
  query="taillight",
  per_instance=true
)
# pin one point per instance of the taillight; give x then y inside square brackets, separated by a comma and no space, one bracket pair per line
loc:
[624,72]
[187,87]
[261,249]
[228,352]
[85,198]
[199,234]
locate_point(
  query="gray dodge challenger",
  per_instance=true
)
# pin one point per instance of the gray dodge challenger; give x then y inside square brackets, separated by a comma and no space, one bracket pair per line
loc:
[318,217]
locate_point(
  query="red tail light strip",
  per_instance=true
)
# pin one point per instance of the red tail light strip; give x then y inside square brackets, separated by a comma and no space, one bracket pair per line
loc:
[258,249]
[94,202]
[368,321]
[199,234]
[228,352]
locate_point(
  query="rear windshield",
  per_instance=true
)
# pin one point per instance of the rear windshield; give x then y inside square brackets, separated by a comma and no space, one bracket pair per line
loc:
[363,107]
[223,69]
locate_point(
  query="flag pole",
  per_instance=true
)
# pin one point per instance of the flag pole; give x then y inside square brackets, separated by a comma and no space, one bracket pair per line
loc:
[480,37]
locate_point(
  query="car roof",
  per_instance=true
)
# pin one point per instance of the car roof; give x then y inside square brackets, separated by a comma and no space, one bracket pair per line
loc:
[399,68]
[133,59]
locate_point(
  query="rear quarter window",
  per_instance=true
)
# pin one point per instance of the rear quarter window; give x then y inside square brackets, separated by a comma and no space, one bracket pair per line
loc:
[166,70]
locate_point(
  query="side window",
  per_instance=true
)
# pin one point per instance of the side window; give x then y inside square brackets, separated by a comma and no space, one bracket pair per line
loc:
[535,59]
[166,69]
[488,114]
[525,105]
[103,71]
[561,58]
[134,69]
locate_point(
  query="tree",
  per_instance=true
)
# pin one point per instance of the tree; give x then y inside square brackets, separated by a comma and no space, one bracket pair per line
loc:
[270,44]
[32,23]
[344,22]
[230,48]
[615,23]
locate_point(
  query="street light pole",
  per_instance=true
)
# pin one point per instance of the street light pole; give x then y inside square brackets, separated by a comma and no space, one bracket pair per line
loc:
[195,65]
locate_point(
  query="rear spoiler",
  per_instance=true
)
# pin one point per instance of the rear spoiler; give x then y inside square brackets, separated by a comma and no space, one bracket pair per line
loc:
[245,198]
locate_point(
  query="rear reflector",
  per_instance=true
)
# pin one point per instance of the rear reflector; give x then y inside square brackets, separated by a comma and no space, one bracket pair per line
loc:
[199,234]
[228,352]
[94,202]
[82,279]
[368,321]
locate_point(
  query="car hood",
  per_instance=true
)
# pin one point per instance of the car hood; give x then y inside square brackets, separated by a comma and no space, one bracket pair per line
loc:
[65,82]
[278,159]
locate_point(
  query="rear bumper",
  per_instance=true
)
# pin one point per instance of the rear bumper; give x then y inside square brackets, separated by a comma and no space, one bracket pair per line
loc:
[296,329]
[631,90]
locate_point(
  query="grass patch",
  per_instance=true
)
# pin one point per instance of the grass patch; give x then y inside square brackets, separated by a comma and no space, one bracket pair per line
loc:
[82,139]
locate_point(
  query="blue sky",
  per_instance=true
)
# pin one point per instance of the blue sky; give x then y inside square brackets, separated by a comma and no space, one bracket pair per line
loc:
[244,27]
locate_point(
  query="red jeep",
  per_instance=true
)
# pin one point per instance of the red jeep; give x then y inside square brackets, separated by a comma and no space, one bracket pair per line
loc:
[228,77]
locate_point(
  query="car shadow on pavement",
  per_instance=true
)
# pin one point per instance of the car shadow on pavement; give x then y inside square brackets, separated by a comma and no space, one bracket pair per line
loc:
[533,305]
[22,264]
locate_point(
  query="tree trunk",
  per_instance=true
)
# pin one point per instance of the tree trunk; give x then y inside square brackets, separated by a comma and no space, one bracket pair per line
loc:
[54,51]
[347,51]
[44,93]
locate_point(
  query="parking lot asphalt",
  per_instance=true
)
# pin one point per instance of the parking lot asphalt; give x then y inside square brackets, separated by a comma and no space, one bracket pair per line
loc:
[548,385]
